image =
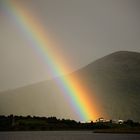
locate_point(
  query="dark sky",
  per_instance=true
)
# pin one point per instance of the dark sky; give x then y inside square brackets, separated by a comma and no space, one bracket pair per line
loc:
[84,30]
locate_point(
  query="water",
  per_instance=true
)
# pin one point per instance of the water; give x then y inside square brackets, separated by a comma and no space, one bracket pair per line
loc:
[65,135]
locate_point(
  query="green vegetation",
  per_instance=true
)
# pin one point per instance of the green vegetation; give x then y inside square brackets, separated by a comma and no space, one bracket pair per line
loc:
[28,123]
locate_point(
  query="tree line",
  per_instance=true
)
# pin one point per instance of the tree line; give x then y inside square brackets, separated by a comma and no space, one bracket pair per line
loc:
[35,123]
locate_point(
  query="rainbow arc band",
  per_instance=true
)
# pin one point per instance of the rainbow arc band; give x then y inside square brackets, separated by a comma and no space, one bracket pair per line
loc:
[78,96]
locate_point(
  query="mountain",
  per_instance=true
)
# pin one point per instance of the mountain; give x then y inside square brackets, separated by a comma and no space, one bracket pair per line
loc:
[117,77]
[113,79]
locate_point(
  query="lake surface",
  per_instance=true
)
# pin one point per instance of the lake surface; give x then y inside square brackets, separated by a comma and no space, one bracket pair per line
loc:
[65,135]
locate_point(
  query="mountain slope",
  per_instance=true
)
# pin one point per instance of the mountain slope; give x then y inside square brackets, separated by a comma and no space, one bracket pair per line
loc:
[113,79]
[118,79]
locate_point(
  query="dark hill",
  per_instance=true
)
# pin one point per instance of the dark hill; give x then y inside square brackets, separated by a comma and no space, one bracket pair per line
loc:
[115,78]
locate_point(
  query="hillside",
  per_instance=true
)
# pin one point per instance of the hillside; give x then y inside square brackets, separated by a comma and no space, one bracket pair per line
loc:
[115,78]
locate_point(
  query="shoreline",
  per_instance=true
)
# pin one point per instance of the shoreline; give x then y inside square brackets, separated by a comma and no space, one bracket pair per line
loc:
[108,131]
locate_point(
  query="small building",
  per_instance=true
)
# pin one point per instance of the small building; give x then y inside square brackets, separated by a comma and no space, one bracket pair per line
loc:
[100,120]
[120,121]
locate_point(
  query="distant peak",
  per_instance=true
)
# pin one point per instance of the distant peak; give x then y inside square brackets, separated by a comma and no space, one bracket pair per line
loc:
[124,52]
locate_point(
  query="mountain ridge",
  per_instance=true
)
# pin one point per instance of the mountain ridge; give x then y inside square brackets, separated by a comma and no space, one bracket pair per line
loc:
[115,78]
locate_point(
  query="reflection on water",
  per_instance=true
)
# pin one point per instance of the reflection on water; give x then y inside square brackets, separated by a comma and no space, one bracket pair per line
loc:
[65,135]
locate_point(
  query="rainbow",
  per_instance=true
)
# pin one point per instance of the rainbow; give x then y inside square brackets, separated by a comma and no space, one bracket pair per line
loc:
[79,99]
